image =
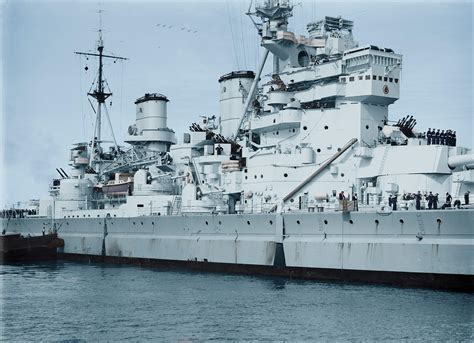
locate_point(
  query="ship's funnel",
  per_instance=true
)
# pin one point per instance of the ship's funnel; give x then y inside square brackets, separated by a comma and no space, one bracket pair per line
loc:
[234,88]
[151,112]
[150,128]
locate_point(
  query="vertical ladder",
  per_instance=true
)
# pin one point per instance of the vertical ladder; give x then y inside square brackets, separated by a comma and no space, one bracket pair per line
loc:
[176,208]
[420,223]
[384,158]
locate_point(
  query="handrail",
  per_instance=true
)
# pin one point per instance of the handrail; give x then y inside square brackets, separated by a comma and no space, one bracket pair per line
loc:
[317,172]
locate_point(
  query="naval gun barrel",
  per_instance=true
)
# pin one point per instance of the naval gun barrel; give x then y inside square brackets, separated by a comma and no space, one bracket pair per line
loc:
[461,160]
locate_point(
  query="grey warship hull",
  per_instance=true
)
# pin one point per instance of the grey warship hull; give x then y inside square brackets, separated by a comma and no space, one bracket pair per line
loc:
[403,248]
[303,173]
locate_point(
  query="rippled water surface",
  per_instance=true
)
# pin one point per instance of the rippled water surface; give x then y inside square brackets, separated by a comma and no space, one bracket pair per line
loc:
[79,302]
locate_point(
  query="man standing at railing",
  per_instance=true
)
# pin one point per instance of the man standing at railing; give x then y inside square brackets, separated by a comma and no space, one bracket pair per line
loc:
[394,202]
[418,200]
[356,203]
[342,196]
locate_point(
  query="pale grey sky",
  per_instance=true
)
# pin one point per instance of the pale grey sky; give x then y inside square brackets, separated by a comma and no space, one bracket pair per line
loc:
[45,109]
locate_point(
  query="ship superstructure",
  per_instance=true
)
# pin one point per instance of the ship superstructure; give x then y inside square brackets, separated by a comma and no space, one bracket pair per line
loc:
[313,140]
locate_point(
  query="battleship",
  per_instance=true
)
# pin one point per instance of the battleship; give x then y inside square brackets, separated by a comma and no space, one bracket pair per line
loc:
[299,175]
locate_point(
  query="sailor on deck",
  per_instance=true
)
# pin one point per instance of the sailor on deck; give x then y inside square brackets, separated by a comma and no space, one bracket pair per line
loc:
[418,200]
[430,197]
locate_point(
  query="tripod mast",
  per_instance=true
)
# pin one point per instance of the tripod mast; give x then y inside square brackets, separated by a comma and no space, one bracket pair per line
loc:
[100,96]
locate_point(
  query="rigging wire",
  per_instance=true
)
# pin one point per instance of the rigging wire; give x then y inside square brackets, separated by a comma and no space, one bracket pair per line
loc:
[121,96]
[243,40]
[232,34]
[110,126]
[83,114]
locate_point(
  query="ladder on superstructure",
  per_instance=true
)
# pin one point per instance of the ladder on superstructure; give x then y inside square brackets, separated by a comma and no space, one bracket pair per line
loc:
[176,207]
[384,159]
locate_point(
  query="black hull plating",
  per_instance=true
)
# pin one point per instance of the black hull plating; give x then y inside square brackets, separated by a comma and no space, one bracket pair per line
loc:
[451,282]
[16,248]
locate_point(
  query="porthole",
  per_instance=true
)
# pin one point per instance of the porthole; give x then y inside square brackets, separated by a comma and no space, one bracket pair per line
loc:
[245,170]
[133,223]
[141,223]
[207,223]
[271,222]
[277,133]
[325,222]
[261,176]
[274,120]
[305,128]
[292,200]
[342,174]
[152,223]
[248,222]
[285,175]
[318,150]
[159,213]
[298,222]
[326,127]
[338,149]
[351,221]
[367,127]
[255,176]
[220,222]
[402,221]
[246,177]
[377,221]
[438,221]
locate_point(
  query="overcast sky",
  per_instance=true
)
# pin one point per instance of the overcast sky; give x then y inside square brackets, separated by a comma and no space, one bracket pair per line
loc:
[44,104]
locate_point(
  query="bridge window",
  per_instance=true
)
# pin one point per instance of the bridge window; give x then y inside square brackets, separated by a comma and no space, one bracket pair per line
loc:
[361,77]
[367,77]
[390,79]
[396,80]
[380,78]
[374,77]
[343,79]
[351,78]
[385,78]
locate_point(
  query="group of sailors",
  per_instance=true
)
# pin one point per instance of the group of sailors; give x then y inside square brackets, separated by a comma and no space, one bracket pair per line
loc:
[431,199]
[437,137]
[17,213]
[343,199]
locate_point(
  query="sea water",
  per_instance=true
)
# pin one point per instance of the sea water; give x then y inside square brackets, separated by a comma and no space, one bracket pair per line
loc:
[73,302]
